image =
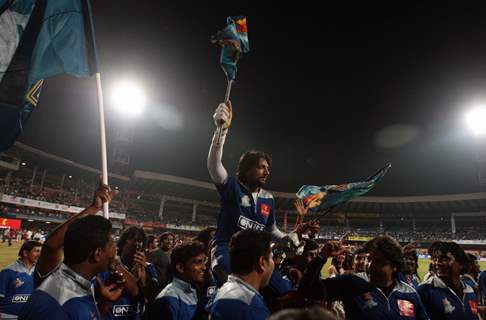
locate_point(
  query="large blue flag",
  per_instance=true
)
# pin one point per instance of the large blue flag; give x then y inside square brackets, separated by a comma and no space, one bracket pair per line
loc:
[234,42]
[39,39]
[323,197]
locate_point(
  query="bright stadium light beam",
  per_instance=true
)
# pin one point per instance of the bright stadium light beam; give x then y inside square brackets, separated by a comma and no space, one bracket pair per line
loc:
[129,98]
[476,120]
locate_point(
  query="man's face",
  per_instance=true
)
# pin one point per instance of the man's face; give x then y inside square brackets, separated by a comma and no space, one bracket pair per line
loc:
[108,254]
[409,264]
[195,268]
[257,176]
[33,255]
[268,266]
[446,266]
[361,262]
[130,248]
[310,255]
[380,269]
[168,243]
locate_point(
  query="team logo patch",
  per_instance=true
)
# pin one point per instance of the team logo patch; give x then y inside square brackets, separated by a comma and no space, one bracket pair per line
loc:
[211,290]
[245,201]
[474,306]
[265,209]
[448,307]
[406,308]
[18,283]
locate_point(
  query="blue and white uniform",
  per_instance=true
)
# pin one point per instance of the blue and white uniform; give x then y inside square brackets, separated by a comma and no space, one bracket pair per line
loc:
[482,286]
[364,301]
[237,300]
[441,302]
[240,211]
[178,301]
[63,294]
[411,280]
[16,286]
[128,307]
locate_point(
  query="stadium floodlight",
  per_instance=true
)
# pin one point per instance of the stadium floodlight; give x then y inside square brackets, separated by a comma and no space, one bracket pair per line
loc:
[129,98]
[476,120]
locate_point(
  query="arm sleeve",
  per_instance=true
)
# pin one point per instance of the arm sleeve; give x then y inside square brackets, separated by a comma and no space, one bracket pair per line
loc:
[4,276]
[276,233]
[218,173]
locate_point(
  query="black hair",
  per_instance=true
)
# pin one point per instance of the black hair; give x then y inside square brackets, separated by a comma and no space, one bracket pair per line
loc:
[84,236]
[204,236]
[131,233]
[389,247]
[249,160]
[184,252]
[246,248]
[166,235]
[444,247]
[28,246]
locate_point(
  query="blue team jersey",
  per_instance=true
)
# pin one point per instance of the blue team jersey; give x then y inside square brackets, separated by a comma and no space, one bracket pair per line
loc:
[178,301]
[366,302]
[63,294]
[237,300]
[441,302]
[482,286]
[411,280]
[16,286]
[238,212]
[128,307]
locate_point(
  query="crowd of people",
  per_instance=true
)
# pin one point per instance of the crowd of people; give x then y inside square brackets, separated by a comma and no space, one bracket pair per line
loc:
[244,268]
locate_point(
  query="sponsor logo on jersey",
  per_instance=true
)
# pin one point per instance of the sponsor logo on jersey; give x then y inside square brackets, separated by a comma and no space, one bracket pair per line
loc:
[248,224]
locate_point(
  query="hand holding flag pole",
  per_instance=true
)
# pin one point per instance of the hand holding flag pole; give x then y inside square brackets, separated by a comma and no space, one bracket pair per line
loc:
[233,40]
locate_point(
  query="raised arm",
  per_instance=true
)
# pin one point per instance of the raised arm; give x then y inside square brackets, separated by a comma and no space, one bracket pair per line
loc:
[222,118]
[51,254]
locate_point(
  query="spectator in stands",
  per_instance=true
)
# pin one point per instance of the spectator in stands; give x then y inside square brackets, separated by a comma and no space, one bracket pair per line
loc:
[441,291]
[251,265]
[179,299]
[65,289]
[16,281]
[160,258]
[244,203]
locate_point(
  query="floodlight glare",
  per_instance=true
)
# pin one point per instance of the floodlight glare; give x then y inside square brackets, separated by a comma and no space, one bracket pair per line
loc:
[476,120]
[129,98]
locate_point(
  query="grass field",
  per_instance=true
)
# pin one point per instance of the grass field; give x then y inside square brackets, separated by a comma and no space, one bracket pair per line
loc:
[9,254]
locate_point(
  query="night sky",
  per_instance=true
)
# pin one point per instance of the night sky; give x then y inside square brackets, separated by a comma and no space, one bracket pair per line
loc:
[333,93]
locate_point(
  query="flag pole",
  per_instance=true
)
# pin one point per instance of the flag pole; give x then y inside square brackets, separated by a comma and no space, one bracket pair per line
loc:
[104,161]
[226,99]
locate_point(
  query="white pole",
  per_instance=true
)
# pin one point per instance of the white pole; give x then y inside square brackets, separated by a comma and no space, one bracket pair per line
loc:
[104,161]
